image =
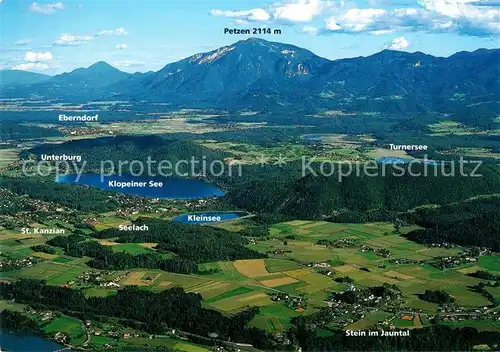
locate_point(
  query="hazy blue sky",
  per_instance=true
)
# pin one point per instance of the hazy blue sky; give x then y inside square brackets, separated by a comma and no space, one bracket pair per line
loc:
[133,35]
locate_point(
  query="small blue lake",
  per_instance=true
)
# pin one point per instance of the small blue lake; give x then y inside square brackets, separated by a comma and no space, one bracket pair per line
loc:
[312,137]
[393,160]
[13,342]
[396,160]
[208,217]
[145,186]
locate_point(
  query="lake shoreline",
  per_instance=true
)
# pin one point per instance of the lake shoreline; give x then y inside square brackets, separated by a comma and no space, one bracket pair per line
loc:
[11,340]
[225,216]
[144,186]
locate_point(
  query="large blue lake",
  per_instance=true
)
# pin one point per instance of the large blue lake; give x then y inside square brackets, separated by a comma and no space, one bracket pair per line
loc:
[154,187]
[207,217]
[23,343]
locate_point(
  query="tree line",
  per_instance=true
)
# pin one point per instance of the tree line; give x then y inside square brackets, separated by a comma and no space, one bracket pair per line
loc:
[482,230]
[189,244]
[316,196]
[193,242]
[142,309]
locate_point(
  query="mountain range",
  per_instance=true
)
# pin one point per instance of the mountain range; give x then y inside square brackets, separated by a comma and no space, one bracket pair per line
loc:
[262,75]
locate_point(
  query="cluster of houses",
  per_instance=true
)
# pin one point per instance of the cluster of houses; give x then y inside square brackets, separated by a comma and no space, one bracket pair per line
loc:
[293,302]
[132,205]
[354,242]
[476,314]
[340,243]
[61,338]
[278,251]
[402,261]
[86,131]
[8,264]
[453,313]
[466,256]
[382,252]
[43,315]
[28,210]
[96,277]
[342,314]
[197,203]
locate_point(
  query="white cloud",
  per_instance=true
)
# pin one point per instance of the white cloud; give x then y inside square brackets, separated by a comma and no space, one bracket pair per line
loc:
[300,10]
[382,31]
[46,9]
[31,66]
[359,20]
[240,22]
[127,63]
[121,46]
[331,25]
[31,56]
[434,16]
[464,17]
[72,40]
[21,42]
[295,12]
[77,40]
[109,32]
[249,15]
[35,61]
[399,43]
[310,30]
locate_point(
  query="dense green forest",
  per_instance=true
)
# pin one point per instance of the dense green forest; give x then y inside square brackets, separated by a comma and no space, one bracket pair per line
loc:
[95,153]
[14,321]
[430,216]
[436,296]
[44,248]
[193,242]
[14,131]
[473,222]
[485,275]
[174,308]
[434,338]
[105,258]
[482,230]
[322,197]
[152,312]
[189,244]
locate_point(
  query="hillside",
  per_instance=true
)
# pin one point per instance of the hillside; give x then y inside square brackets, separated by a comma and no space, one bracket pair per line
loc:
[81,83]
[357,198]
[269,76]
[128,148]
[14,131]
[251,65]
[482,230]
[12,78]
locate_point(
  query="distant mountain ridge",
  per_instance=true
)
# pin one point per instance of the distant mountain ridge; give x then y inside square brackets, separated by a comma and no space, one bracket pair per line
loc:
[10,79]
[81,82]
[257,74]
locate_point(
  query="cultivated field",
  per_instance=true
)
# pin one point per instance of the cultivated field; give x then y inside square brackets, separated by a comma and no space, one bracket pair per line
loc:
[8,156]
[300,268]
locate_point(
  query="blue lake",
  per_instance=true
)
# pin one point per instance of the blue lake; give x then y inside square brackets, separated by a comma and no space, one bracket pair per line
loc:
[396,160]
[393,160]
[208,217]
[23,343]
[312,137]
[153,187]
